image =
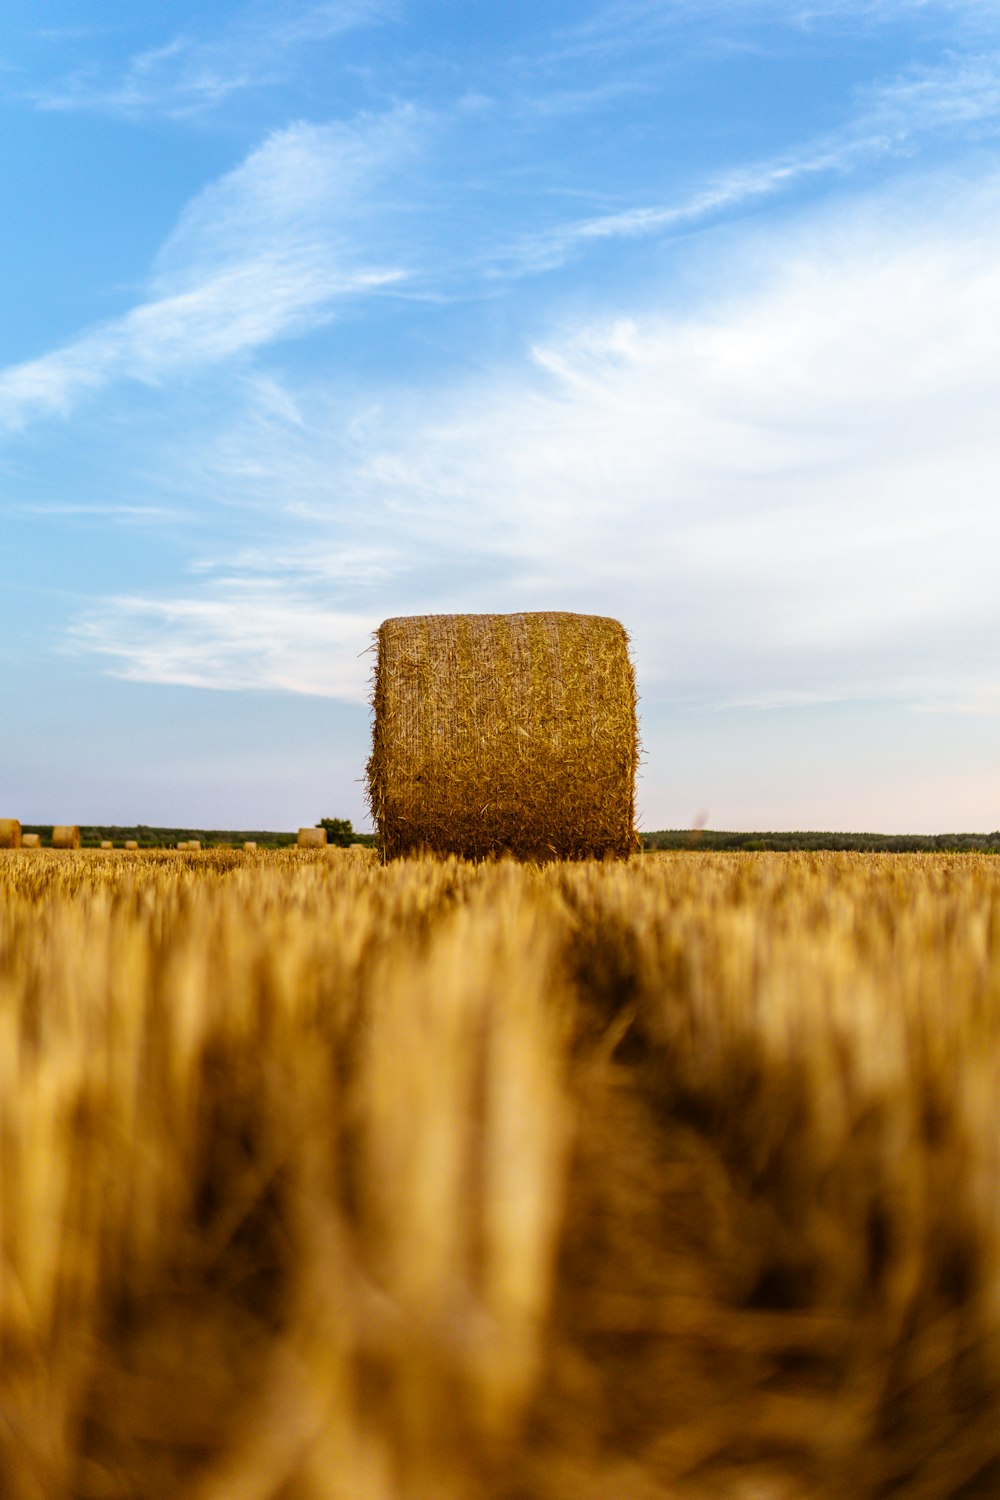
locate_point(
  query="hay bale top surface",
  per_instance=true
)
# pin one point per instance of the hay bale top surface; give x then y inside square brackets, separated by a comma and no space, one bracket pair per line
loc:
[10,833]
[504,734]
[66,836]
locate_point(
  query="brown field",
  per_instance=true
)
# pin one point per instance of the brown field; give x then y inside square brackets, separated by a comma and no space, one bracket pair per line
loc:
[675,1180]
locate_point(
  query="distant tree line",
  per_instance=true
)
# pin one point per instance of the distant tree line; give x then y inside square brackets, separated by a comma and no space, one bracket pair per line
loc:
[870,843]
[339,831]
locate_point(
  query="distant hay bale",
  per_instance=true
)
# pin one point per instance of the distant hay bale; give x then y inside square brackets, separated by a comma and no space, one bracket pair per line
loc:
[311,838]
[131,844]
[65,836]
[502,734]
[249,843]
[106,844]
[31,840]
[193,845]
[10,833]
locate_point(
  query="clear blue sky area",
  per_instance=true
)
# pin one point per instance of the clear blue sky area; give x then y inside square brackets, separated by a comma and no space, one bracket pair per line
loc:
[317,313]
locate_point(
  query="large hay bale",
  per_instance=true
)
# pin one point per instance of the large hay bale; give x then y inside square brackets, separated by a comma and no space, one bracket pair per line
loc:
[10,833]
[504,734]
[31,840]
[65,836]
[311,838]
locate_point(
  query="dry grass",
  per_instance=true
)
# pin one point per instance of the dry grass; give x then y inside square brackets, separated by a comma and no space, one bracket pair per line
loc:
[504,734]
[323,1180]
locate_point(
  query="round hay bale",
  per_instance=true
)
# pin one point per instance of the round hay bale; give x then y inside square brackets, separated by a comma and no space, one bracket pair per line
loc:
[249,843]
[10,833]
[65,836]
[31,840]
[106,844]
[131,843]
[311,838]
[193,845]
[504,734]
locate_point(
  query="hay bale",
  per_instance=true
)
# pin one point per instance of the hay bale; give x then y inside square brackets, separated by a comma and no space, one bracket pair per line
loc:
[249,843]
[10,833]
[311,838]
[31,840]
[193,845]
[131,843]
[504,734]
[106,844]
[65,836]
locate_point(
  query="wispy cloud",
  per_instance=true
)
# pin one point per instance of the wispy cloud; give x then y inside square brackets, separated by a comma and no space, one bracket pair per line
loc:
[788,494]
[893,118]
[245,636]
[194,71]
[265,252]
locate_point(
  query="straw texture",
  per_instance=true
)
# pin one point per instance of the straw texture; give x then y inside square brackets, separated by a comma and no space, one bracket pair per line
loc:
[66,836]
[504,734]
[10,833]
[311,838]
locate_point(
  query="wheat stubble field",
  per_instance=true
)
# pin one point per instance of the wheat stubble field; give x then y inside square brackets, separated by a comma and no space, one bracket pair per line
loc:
[322,1180]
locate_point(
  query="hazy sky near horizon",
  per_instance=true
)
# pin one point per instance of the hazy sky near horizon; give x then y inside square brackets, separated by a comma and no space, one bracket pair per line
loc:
[320,311]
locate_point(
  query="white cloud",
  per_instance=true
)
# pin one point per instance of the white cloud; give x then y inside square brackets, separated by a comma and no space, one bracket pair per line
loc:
[246,636]
[893,118]
[195,71]
[788,495]
[263,253]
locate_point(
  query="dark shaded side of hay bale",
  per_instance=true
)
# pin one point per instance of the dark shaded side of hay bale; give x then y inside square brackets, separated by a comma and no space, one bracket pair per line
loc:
[10,833]
[504,734]
[65,836]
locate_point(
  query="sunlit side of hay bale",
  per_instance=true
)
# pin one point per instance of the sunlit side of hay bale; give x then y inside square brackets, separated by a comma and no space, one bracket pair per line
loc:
[66,836]
[10,833]
[31,841]
[311,838]
[502,734]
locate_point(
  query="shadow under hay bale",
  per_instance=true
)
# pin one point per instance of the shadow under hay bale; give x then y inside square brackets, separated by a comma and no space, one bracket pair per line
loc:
[504,734]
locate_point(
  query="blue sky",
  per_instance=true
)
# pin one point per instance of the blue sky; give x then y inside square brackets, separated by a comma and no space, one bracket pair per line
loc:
[681,311]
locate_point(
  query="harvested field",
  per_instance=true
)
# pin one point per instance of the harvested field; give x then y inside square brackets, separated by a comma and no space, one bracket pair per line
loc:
[324,1179]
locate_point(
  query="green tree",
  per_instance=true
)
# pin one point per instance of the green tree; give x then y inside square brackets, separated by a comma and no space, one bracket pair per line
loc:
[338,831]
